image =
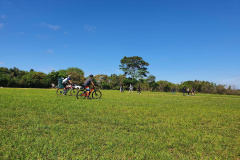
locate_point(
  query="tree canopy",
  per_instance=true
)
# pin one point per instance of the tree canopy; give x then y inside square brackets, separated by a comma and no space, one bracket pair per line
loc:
[134,66]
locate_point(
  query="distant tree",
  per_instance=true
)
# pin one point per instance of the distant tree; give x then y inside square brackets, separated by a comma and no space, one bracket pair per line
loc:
[14,72]
[208,87]
[76,78]
[4,78]
[151,82]
[37,80]
[165,86]
[134,66]
[141,80]
[109,82]
[121,77]
[100,78]
[105,85]
[53,77]
[221,89]
[129,81]
[62,73]
[151,78]
[153,85]
[75,70]
[94,81]
[4,70]
[113,81]
[76,73]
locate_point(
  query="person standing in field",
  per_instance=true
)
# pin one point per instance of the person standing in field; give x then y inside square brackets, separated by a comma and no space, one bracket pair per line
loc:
[130,89]
[188,91]
[139,89]
[193,90]
[184,88]
[87,84]
[121,87]
[173,90]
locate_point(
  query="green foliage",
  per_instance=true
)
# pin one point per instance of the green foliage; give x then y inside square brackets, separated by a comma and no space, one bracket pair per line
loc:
[165,86]
[53,77]
[151,82]
[134,66]
[14,77]
[62,73]
[75,70]
[77,75]
[105,85]
[94,81]
[128,81]
[109,82]
[153,85]
[37,124]
[4,78]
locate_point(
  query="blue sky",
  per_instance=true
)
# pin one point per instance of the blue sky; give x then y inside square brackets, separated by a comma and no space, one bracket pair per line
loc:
[180,39]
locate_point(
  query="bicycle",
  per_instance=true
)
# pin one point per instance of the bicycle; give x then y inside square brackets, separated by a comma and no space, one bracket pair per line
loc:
[96,94]
[75,89]
[62,91]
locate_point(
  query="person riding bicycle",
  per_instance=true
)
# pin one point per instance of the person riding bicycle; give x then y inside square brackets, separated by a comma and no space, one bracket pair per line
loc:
[87,83]
[66,81]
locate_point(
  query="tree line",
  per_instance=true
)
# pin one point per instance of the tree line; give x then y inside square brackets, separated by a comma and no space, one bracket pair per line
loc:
[14,77]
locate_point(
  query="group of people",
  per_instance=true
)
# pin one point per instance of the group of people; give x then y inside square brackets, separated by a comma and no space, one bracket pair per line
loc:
[184,91]
[87,83]
[188,91]
[130,88]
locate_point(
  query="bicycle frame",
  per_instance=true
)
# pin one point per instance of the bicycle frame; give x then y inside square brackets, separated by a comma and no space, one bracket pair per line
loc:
[65,90]
[84,94]
[91,91]
[95,94]
[68,88]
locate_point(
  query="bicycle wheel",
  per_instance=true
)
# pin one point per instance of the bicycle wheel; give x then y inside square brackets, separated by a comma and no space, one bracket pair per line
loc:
[80,94]
[73,91]
[60,92]
[96,94]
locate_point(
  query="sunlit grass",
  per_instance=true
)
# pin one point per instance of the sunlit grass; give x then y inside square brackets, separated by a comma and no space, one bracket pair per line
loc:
[35,123]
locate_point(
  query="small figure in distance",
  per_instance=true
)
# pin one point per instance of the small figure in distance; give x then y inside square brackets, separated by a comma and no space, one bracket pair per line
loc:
[173,90]
[188,91]
[184,88]
[53,85]
[87,84]
[66,81]
[130,89]
[121,87]
[193,90]
[139,89]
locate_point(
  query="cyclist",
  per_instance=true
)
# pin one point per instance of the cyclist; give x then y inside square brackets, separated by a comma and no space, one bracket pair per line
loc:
[87,83]
[66,81]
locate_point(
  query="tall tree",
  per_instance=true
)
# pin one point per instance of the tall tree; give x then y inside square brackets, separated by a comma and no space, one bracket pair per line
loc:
[100,78]
[134,66]
[76,70]
[151,81]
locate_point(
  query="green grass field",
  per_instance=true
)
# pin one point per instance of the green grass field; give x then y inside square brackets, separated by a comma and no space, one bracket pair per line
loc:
[37,124]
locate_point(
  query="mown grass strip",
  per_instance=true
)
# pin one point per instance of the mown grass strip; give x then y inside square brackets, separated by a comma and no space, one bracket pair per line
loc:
[35,123]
